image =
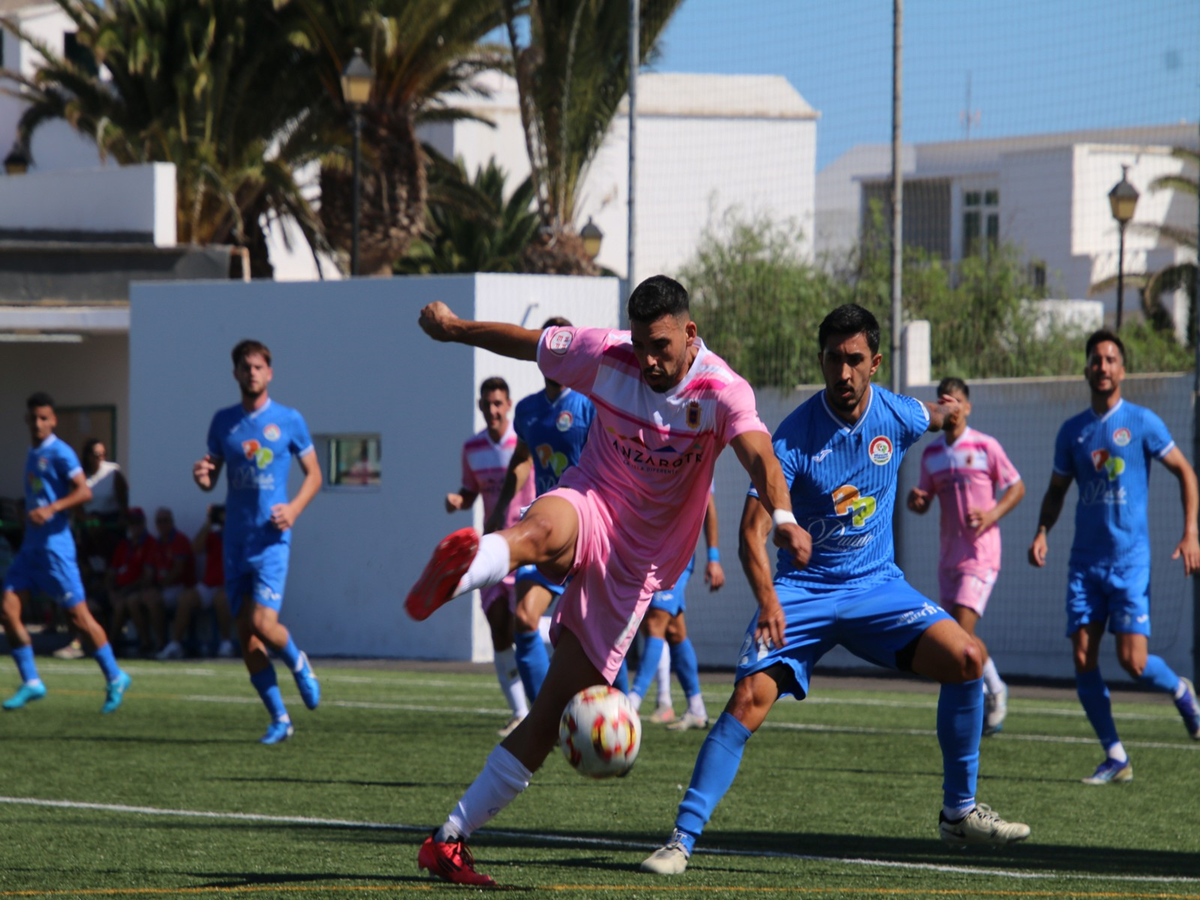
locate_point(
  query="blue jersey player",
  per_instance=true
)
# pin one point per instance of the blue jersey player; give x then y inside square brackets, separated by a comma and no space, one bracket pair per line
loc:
[257,440]
[54,484]
[552,427]
[840,452]
[1108,449]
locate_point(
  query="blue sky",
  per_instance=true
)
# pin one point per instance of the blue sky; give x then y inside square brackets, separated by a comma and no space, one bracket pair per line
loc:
[1035,65]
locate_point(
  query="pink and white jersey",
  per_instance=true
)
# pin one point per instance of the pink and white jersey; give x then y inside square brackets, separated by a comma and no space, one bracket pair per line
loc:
[966,475]
[484,465]
[649,455]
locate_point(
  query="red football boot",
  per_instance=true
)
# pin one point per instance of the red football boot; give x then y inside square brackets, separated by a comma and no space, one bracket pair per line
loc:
[442,574]
[451,862]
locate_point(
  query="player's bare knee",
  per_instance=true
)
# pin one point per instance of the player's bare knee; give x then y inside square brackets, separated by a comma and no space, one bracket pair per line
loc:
[972,662]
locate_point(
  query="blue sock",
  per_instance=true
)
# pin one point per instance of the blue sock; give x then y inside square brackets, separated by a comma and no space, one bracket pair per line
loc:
[23,656]
[108,663]
[716,767]
[685,667]
[648,667]
[959,726]
[268,688]
[1158,675]
[621,682]
[290,654]
[1093,694]
[532,661]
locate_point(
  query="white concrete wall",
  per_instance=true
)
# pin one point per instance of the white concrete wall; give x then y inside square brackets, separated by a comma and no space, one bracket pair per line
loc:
[350,357]
[138,199]
[94,373]
[1035,210]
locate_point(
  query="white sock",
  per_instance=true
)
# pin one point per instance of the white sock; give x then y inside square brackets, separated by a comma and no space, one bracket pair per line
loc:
[1117,752]
[664,676]
[957,813]
[635,700]
[696,706]
[991,678]
[502,779]
[490,565]
[1180,689]
[510,682]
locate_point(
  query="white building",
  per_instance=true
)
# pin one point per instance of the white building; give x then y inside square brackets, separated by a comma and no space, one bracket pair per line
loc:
[1046,194]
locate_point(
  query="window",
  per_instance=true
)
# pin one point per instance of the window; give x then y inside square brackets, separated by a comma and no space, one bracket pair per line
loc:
[353,461]
[981,219]
[1037,274]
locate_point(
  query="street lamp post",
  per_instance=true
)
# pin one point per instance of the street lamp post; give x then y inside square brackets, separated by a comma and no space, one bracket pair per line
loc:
[1123,199]
[357,81]
[592,237]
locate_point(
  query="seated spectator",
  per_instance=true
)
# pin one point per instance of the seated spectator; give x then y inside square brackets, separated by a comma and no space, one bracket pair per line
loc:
[176,578]
[209,594]
[131,575]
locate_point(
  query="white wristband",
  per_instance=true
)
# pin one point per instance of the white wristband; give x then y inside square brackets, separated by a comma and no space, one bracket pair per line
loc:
[783,517]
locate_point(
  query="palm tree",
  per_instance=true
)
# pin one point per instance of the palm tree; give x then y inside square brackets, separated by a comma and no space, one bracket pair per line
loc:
[571,77]
[422,53]
[1152,286]
[471,226]
[195,83]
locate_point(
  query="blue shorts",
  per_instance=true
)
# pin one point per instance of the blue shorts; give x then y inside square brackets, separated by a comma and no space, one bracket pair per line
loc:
[257,570]
[873,622]
[534,574]
[42,570]
[1120,594]
[674,601]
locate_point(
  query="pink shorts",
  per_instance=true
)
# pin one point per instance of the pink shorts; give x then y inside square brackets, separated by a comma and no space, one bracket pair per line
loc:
[969,589]
[505,590]
[610,587]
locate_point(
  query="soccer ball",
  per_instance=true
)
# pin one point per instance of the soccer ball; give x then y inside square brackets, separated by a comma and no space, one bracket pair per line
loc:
[600,732]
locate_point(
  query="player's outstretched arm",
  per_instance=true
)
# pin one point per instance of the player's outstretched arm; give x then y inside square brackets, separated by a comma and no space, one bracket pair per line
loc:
[1052,505]
[520,467]
[757,456]
[441,324]
[752,552]
[943,412]
[1188,546]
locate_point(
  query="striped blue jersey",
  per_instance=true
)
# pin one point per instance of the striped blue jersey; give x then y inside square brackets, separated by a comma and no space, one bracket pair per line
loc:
[842,480]
[1109,457]
[50,470]
[554,431]
[257,448]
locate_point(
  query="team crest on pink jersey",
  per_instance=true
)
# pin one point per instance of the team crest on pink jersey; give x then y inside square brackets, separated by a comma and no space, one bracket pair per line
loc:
[564,421]
[880,450]
[693,414]
[1122,437]
[560,342]
[271,432]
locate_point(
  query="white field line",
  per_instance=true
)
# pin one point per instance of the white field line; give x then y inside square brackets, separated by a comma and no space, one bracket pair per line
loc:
[578,841]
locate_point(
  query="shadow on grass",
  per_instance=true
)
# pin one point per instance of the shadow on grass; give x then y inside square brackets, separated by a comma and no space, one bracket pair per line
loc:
[330,781]
[228,881]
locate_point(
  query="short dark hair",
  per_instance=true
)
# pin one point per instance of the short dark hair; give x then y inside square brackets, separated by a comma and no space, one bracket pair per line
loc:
[90,445]
[38,400]
[946,385]
[495,383]
[1099,337]
[556,322]
[250,347]
[656,297]
[850,319]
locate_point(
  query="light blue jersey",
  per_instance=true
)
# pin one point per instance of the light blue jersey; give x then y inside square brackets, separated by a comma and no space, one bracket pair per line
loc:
[842,480]
[257,448]
[1109,458]
[554,432]
[50,469]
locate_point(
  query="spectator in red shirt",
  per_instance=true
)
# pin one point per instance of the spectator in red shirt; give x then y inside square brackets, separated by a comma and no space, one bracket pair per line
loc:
[131,576]
[210,593]
[176,577]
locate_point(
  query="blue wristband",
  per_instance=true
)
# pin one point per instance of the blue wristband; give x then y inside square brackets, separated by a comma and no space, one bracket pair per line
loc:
[714,554]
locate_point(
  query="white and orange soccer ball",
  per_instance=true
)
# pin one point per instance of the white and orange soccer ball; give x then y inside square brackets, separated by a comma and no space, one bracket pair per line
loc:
[600,732]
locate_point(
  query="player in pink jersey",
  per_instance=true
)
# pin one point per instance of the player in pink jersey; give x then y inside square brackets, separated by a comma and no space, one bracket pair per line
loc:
[485,459]
[623,522]
[964,468]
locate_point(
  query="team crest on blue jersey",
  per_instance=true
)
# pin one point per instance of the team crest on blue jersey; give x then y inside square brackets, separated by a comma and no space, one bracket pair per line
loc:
[564,421]
[693,414]
[43,464]
[1104,462]
[1122,437]
[271,432]
[880,450]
